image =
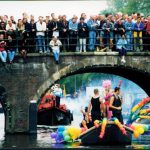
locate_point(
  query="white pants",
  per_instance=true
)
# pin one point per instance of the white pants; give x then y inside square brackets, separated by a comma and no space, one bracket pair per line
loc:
[82,43]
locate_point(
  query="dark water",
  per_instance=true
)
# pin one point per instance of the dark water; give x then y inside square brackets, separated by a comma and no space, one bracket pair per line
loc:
[42,140]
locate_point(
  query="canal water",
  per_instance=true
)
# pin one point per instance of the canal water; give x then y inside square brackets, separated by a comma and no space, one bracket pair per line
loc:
[42,140]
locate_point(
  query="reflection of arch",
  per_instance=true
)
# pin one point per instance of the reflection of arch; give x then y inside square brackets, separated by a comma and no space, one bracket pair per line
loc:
[134,74]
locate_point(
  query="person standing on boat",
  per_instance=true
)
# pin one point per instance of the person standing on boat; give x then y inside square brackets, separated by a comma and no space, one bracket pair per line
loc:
[107,93]
[58,93]
[87,119]
[96,106]
[116,105]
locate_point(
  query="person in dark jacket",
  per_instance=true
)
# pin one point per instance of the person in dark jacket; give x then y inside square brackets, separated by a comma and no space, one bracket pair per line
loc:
[119,30]
[64,30]
[11,49]
[53,27]
[82,33]
[32,36]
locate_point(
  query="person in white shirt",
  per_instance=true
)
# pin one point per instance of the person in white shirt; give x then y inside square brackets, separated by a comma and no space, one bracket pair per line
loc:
[10,28]
[57,91]
[55,44]
[41,28]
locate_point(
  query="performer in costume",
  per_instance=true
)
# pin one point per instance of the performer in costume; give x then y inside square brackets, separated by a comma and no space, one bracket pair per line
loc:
[107,93]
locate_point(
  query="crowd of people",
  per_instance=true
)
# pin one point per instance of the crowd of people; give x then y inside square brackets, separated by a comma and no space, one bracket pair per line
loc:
[109,105]
[79,33]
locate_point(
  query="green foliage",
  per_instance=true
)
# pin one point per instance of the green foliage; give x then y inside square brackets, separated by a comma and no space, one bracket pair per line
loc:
[76,82]
[129,6]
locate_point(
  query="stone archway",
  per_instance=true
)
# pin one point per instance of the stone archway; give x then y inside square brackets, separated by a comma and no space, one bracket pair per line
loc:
[137,76]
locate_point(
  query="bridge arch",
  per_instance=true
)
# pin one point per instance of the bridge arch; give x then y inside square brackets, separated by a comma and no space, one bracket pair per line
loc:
[135,75]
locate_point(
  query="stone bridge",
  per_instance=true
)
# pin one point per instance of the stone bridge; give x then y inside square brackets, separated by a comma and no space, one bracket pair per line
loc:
[24,82]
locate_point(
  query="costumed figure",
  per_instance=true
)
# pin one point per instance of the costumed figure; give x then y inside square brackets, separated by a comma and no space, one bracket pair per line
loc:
[108,92]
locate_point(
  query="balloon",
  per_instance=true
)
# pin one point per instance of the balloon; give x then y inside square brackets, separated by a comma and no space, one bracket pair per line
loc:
[60,134]
[140,130]
[65,133]
[61,129]
[53,135]
[145,127]
[136,134]
[96,122]
[116,121]
[67,138]
[132,127]
[58,139]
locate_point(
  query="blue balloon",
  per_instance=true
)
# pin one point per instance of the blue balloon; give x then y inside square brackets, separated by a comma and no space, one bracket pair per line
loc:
[60,134]
[53,135]
[61,129]
[58,139]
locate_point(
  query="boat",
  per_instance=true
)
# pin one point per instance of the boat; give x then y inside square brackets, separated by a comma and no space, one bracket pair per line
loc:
[112,136]
[52,115]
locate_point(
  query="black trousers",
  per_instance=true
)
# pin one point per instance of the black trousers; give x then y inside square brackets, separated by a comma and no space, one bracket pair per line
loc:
[57,101]
[118,116]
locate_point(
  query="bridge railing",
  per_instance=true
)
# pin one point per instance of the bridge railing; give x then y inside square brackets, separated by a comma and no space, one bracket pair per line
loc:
[101,40]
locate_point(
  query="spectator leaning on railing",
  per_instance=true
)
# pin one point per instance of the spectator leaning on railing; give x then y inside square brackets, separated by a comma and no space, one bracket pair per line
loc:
[82,33]
[92,27]
[41,28]
[73,32]
[3,53]
[107,33]
[129,26]
[64,30]
[147,33]
[11,49]
[137,34]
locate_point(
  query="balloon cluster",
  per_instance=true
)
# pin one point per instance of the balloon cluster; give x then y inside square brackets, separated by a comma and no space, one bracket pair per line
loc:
[139,129]
[120,126]
[140,104]
[136,110]
[144,111]
[103,126]
[66,134]
[97,123]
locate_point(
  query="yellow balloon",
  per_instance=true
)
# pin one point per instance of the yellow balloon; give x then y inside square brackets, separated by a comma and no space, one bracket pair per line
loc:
[135,108]
[136,134]
[116,121]
[96,121]
[140,130]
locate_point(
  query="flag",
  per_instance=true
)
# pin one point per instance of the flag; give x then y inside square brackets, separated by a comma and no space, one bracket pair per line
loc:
[64,91]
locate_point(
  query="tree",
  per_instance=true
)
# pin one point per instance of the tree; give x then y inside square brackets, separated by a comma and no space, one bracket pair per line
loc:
[129,6]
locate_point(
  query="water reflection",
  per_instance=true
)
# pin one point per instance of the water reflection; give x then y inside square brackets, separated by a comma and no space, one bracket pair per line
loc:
[42,140]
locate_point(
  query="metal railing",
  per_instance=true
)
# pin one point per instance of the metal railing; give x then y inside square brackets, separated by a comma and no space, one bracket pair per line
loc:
[29,41]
